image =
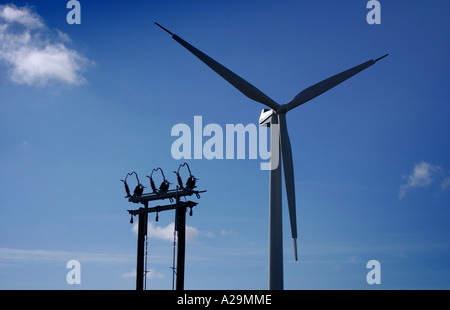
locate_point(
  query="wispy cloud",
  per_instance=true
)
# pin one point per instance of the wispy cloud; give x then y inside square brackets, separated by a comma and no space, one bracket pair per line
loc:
[422,176]
[224,232]
[151,274]
[26,255]
[445,184]
[166,232]
[11,14]
[35,54]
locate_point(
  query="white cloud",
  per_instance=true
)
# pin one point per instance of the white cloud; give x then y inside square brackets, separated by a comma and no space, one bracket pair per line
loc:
[166,232]
[420,177]
[35,54]
[445,184]
[53,62]
[12,14]
[131,274]
[153,274]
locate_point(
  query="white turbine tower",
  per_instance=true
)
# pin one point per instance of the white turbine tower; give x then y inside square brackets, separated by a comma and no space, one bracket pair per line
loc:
[276,116]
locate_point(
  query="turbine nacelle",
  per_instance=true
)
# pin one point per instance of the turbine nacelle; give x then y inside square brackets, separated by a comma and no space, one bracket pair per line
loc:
[266,117]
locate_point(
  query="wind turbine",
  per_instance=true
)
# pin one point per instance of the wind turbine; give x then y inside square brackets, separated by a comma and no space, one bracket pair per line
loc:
[276,117]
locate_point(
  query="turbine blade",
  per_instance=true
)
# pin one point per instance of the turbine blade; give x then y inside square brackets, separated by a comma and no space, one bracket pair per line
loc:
[288,177]
[321,87]
[171,33]
[242,85]
[295,249]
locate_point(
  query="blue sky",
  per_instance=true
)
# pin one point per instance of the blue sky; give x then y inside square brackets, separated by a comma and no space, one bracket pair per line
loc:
[82,105]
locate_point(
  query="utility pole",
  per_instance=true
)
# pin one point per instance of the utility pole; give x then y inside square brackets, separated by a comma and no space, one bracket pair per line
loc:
[180,208]
[142,233]
[180,227]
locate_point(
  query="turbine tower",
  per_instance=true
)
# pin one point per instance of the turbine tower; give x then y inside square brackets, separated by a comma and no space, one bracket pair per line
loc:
[276,118]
